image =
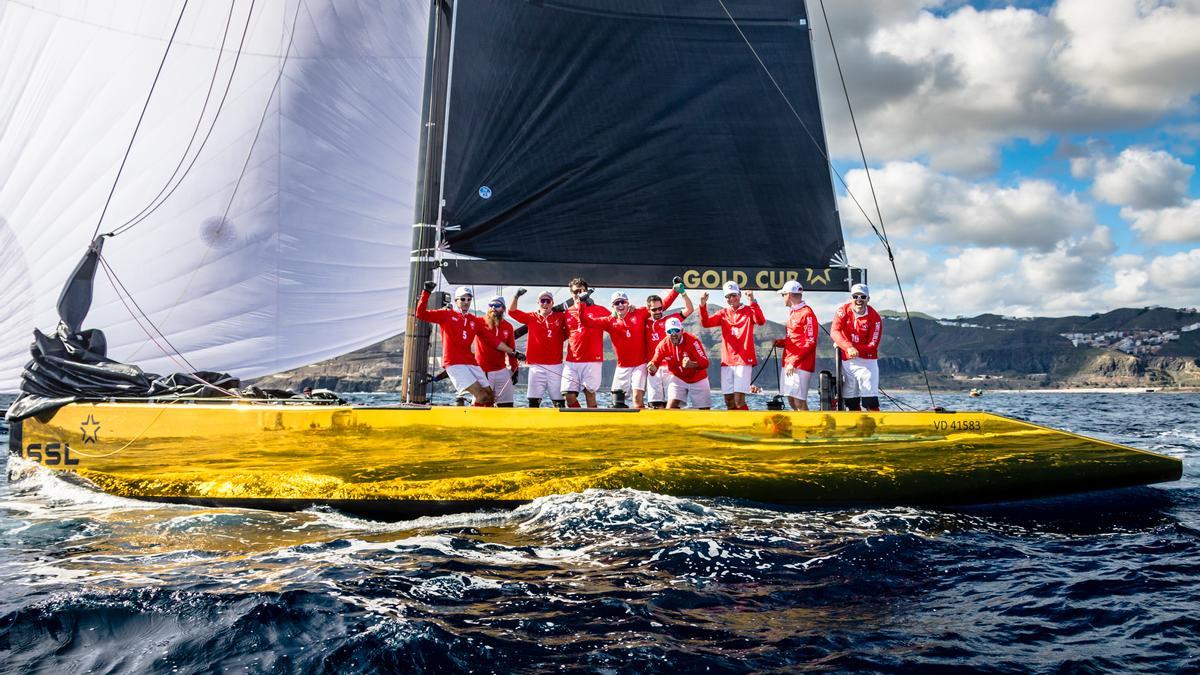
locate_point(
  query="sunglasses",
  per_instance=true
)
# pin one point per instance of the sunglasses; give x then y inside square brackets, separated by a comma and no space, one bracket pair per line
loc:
[496,305]
[620,303]
[546,301]
[656,309]
[468,298]
[858,296]
[674,331]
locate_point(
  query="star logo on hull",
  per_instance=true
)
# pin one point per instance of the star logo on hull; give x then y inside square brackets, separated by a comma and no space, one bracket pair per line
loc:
[90,428]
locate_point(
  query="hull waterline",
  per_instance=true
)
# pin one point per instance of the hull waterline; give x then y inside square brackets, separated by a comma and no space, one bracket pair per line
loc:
[407,462]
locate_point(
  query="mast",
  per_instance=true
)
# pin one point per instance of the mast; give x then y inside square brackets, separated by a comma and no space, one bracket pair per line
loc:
[423,260]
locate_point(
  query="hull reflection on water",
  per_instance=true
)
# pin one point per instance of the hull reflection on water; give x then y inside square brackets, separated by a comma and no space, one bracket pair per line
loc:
[396,462]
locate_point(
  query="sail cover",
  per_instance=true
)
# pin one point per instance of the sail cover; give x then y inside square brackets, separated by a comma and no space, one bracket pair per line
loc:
[637,131]
[301,256]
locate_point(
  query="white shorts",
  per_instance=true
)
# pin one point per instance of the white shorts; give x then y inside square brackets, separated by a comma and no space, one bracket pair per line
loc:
[656,385]
[736,379]
[692,394]
[501,383]
[628,379]
[464,376]
[795,386]
[860,377]
[581,376]
[543,381]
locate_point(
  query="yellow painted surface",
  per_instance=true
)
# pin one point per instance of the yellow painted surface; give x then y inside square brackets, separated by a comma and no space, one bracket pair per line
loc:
[328,452]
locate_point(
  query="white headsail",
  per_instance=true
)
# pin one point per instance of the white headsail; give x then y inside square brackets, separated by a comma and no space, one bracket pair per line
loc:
[301,256]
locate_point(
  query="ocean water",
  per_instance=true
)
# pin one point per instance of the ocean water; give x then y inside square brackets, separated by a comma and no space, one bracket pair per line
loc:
[623,581]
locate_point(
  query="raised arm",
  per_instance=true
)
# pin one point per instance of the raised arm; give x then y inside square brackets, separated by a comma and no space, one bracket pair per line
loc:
[688,307]
[423,312]
[518,315]
[705,319]
[760,319]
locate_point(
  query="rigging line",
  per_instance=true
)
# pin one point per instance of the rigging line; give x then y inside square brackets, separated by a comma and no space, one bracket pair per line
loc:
[153,206]
[141,116]
[113,278]
[811,137]
[878,212]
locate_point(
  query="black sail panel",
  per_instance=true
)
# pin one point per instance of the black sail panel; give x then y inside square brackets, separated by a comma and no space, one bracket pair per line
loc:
[637,131]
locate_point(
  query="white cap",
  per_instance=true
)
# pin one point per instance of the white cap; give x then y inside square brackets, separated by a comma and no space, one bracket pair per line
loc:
[792,286]
[673,323]
[462,291]
[730,287]
[860,288]
[619,295]
[499,299]
[545,294]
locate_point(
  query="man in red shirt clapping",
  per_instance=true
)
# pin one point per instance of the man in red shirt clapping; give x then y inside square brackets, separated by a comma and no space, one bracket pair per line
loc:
[683,355]
[737,322]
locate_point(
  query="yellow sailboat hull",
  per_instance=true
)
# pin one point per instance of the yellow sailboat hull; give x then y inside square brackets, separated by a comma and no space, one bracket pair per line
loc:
[402,462]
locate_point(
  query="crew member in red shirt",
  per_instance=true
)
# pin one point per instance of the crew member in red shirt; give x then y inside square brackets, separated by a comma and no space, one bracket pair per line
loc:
[459,330]
[585,348]
[547,334]
[738,359]
[683,355]
[626,329]
[656,330]
[499,367]
[856,330]
[799,346]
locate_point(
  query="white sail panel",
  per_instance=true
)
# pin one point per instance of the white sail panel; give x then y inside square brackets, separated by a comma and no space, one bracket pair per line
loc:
[302,257]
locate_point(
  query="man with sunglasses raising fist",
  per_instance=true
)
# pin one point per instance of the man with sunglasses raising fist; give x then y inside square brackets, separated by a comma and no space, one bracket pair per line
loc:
[459,329]
[856,330]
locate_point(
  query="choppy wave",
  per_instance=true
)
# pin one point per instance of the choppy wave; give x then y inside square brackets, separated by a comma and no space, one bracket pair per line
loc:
[613,581]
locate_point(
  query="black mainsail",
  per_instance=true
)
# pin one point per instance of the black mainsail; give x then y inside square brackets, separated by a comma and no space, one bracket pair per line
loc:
[627,141]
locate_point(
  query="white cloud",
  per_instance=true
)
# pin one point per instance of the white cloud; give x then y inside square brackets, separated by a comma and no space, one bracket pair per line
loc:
[949,211]
[1177,271]
[1141,178]
[953,87]
[1180,223]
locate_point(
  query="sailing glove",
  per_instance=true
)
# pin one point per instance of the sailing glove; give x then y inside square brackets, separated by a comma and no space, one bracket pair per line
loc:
[430,285]
[521,291]
[677,284]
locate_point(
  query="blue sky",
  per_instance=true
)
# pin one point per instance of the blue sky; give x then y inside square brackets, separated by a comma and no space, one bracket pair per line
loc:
[1031,158]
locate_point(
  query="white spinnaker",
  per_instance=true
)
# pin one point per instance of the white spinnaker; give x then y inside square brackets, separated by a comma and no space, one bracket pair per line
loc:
[306,259]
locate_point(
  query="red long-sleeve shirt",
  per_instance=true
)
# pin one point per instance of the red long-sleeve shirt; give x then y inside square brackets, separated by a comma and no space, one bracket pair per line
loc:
[546,336]
[494,359]
[800,345]
[670,355]
[585,344]
[459,331]
[628,333]
[737,332]
[861,332]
